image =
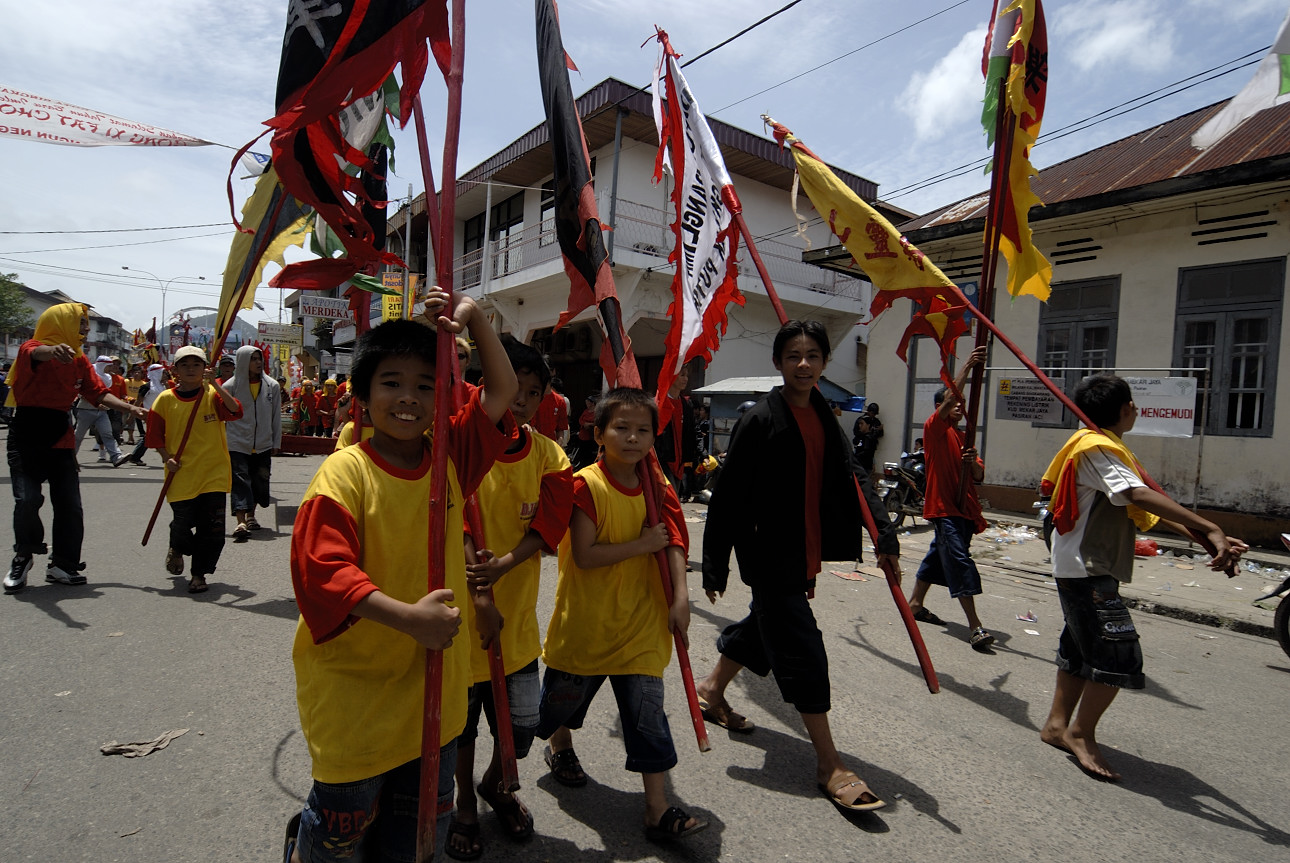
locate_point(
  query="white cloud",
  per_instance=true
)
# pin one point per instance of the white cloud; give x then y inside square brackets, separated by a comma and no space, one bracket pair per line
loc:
[950,92]
[1133,34]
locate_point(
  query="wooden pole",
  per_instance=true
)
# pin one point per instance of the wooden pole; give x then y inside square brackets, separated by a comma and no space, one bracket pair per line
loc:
[731,201]
[427,809]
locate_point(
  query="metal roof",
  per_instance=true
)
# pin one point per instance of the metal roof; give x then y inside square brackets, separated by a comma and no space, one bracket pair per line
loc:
[1156,162]
[762,384]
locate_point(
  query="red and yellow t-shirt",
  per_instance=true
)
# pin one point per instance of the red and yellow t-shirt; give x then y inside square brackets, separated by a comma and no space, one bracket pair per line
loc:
[361,528]
[612,619]
[530,489]
[204,463]
[54,385]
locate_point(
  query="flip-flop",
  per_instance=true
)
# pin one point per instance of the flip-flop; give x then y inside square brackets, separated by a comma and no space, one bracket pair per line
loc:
[468,831]
[981,638]
[672,825]
[722,716]
[925,616]
[565,767]
[509,810]
[197,584]
[846,793]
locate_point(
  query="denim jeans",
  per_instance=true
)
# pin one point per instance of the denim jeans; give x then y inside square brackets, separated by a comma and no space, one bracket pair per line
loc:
[374,819]
[197,529]
[646,735]
[523,690]
[251,472]
[29,469]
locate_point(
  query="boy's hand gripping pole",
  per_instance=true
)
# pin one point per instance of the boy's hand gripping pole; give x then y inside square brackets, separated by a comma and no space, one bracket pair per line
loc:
[652,517]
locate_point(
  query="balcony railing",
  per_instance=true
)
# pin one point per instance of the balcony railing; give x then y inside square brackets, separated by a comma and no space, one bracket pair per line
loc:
[645,230]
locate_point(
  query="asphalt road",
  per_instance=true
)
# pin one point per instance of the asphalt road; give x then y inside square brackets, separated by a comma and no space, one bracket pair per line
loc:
[132,655]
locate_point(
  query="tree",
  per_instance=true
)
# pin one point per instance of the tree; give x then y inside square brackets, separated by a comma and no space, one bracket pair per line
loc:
[16,317]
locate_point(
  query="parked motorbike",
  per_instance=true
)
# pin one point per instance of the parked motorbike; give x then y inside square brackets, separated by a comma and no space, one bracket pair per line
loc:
[1281,622]
[905,485]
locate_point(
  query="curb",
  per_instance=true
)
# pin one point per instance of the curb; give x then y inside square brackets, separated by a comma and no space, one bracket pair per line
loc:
[1218,621]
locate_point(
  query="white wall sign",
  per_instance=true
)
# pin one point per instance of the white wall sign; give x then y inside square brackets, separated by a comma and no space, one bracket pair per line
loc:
[1166,406]
[287,334]
[1027,400]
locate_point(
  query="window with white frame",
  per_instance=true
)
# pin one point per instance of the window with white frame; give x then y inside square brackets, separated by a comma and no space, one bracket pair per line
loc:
[1227,330]
[1077,331]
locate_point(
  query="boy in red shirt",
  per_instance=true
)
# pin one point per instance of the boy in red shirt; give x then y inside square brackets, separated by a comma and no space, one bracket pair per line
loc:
[954,515]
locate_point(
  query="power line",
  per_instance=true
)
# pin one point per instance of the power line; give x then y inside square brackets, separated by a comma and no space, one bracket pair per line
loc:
[1092,120]
[117,230]
[752,26]
[116,245]
[843,56]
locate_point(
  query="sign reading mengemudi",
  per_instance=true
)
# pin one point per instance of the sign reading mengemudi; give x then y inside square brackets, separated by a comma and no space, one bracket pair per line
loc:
[282,334]
[1026,400]
[328,308]
[1166,406]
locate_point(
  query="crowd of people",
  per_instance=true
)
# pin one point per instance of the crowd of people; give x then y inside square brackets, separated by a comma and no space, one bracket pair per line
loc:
[789,498]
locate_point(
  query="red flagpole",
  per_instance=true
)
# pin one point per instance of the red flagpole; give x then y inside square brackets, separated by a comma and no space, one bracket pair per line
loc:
[219,346]
[731,201]
[427,809]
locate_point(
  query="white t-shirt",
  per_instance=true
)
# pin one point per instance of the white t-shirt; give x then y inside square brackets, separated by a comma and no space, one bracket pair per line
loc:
[1099,473]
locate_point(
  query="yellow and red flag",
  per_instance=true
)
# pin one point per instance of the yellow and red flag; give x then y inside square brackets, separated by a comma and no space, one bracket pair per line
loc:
[895,267]
[1016,52]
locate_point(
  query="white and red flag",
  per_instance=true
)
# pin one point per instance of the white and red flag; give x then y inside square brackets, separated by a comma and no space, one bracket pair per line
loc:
[50,121]
[707,238]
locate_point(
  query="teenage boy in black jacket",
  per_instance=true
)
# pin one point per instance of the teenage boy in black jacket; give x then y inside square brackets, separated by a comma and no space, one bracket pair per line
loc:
[786,501]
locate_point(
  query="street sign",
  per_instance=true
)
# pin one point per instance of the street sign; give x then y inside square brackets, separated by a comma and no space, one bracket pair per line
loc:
[327,308]
[287,334]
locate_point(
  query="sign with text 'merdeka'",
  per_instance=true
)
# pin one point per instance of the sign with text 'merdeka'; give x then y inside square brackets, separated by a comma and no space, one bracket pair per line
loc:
[327,308]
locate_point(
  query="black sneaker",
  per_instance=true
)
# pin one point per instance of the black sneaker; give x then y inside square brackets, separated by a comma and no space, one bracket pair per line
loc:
[16,579]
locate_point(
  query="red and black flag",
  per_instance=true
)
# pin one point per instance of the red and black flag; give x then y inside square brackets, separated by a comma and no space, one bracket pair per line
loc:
[577,223]
[336,58]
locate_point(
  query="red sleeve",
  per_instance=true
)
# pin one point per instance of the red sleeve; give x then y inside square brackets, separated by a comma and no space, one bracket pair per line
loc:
[324,568]
[582,499]
[222,411]
[475,442]
[561,416]
[555,508]
[674,518]
[118,387]
[155,438]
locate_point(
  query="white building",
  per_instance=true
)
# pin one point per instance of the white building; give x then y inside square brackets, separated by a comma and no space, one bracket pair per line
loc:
[509,260]
[1166,262]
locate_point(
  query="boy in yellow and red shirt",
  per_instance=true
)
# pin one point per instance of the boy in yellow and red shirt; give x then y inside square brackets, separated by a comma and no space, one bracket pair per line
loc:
[525,503]
[202,473]
[611,620]
[359,564]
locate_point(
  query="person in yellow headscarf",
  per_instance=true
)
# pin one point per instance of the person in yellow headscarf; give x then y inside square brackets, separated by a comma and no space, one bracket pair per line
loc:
[50,372]
[1099,498]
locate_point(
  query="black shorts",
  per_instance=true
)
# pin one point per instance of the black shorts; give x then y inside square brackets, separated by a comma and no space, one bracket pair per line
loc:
[1099,641]
[780,635]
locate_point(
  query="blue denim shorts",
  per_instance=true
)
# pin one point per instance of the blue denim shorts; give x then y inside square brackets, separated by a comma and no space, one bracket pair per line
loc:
[523,689]
[949,561]
[1099,641]
[373,819]
[646,734]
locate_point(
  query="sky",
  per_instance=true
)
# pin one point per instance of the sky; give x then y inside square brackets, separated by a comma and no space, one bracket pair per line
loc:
[897,101]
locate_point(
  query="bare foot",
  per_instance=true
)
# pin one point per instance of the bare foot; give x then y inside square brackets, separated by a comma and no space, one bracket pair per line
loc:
[1055,735]
[1089,756]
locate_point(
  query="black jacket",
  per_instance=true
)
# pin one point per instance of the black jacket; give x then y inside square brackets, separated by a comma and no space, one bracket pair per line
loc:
[757,506]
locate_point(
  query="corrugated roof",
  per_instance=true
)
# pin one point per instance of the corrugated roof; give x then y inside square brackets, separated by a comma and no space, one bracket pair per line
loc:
[1153,156]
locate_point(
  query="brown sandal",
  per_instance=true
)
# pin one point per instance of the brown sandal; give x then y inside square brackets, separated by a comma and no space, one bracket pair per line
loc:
[848,793]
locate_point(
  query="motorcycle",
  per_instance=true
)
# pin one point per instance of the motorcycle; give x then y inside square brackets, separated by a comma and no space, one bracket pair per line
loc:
[1281,621]
[905,484]
[706,472]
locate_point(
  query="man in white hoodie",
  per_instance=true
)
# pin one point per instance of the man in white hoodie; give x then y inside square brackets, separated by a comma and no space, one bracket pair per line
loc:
[253,439]
[92,416]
